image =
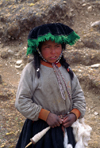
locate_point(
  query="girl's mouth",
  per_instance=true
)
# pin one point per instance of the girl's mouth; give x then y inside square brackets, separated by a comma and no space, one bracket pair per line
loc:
[53,58]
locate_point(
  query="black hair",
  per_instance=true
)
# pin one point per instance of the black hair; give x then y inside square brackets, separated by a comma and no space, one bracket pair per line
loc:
[37,60]
[66,66]
[63,62]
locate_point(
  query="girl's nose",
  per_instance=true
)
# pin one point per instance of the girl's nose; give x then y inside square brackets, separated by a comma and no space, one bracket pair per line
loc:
[52,50]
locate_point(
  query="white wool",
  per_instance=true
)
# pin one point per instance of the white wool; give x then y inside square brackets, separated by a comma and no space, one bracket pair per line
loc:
[66,145]
[82,133]
[69,146]
[65,139]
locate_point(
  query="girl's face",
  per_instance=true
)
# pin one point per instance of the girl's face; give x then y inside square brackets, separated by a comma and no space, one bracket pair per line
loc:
[51,51]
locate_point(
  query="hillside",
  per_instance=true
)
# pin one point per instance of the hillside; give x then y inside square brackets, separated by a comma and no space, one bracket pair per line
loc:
[16,19]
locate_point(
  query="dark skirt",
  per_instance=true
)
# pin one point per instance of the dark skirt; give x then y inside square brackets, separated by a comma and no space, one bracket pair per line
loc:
[52,139]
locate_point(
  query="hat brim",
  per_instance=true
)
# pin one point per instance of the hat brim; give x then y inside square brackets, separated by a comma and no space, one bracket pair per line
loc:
[61,34]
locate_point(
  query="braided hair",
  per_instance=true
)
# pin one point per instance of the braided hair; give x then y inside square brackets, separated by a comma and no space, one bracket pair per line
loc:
[63,62]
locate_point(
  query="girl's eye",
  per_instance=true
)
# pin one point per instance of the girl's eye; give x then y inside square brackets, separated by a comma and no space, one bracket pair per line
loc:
[57,45]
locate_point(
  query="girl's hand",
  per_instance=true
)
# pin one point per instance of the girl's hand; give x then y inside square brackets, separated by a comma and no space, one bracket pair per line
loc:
[68,120]
[53,120]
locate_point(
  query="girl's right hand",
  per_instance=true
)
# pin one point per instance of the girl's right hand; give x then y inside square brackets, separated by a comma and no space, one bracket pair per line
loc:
[53,120]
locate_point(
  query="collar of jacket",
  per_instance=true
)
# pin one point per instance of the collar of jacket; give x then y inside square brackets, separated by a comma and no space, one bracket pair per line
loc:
[49,64]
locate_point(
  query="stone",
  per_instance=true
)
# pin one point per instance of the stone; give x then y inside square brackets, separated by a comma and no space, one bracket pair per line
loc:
[19,66]
[12,31]
[89,8]
[4,54]
[96,25]
[10,52]
[19,62]
[84,5]
[91,40]
[95,66]
[95,113]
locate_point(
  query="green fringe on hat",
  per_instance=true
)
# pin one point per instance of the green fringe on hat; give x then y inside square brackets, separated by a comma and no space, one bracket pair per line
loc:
[34,43]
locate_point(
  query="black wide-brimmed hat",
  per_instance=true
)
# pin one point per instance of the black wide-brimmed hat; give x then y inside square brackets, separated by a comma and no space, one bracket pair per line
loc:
[57,32]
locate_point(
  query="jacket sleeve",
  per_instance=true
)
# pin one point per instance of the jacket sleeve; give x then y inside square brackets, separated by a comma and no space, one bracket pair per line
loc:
[78,99]
[24,102]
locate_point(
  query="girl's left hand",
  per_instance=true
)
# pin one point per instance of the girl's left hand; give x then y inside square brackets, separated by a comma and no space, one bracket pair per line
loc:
[68,120]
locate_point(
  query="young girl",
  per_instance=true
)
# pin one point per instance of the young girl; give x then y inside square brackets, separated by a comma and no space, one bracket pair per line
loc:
[49,93]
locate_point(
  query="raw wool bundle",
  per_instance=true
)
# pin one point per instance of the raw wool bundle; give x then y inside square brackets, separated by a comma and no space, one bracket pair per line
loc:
[82,133]
[65,143]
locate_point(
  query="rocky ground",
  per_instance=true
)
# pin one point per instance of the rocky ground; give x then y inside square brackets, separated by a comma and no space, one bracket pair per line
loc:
[16,19]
